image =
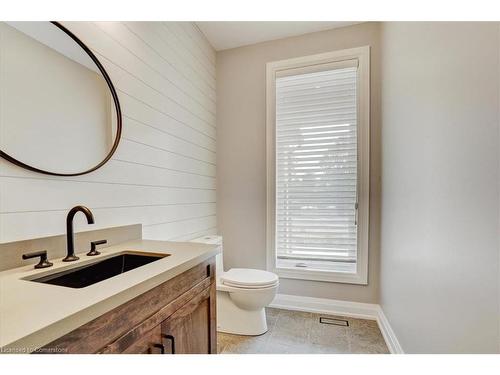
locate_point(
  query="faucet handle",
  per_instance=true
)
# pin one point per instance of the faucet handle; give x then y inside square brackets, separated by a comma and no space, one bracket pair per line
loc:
[93,246]
[44,263]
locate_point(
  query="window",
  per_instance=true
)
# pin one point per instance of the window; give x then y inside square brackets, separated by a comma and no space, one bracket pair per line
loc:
[318,166]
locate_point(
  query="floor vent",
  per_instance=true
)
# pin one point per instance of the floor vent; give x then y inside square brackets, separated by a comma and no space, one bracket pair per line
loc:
[336,322]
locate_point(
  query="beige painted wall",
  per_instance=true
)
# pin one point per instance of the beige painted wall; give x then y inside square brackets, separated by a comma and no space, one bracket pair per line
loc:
[440,192]
[241,153]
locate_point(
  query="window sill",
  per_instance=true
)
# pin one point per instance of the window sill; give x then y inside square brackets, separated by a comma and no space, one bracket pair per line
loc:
[326,276]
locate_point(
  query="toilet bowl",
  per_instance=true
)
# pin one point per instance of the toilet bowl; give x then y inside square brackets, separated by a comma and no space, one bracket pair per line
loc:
[242,295]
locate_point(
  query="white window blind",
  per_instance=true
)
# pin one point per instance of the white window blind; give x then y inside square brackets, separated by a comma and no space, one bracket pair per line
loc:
[316,167]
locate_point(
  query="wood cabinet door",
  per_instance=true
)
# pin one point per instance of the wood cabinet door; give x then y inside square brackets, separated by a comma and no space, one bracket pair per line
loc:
[192,328]
[151,343]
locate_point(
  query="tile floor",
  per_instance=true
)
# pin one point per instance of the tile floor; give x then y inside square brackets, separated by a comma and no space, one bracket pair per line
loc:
[302,333]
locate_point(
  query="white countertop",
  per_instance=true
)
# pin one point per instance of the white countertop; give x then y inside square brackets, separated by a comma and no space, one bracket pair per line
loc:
[33,314]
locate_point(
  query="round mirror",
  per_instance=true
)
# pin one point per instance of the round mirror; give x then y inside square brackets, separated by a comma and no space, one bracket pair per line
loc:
[59,112]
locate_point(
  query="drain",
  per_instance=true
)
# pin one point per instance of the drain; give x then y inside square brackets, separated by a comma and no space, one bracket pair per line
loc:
[336,322]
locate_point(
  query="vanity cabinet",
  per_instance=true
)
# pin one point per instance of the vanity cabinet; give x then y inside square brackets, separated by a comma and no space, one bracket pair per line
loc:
[175,317]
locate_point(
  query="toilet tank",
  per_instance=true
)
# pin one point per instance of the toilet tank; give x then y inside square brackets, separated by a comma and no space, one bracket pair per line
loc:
[214,240]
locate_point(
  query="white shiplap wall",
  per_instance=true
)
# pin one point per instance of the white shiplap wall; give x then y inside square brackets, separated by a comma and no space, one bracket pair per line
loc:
[163,173]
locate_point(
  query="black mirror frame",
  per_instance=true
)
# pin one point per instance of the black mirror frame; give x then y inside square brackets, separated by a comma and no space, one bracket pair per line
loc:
[117,108]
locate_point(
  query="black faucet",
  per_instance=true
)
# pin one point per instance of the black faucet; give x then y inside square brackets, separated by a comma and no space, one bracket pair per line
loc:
[70,257]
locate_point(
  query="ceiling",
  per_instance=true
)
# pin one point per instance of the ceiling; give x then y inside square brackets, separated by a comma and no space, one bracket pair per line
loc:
[229,34]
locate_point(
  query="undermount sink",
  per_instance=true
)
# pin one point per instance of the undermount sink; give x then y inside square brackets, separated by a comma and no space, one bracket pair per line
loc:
[89,274]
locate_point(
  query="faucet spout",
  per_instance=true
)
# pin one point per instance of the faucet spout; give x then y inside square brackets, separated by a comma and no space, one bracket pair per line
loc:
[70,257]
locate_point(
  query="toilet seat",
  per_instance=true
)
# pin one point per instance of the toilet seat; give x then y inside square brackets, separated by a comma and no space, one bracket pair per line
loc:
[247,278]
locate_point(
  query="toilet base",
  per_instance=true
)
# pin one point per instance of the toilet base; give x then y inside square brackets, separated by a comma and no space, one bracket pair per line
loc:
[232,319]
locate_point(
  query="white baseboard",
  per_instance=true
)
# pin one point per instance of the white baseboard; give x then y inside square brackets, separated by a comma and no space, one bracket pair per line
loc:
[389,336]
[326,306]
[337,307]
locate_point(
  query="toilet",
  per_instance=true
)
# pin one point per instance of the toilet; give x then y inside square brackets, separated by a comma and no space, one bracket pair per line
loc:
[242,295]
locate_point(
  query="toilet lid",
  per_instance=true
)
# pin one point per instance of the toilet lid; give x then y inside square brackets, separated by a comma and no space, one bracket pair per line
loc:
[247,277]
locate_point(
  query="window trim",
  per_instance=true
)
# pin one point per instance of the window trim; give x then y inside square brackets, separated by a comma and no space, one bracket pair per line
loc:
[362,54]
